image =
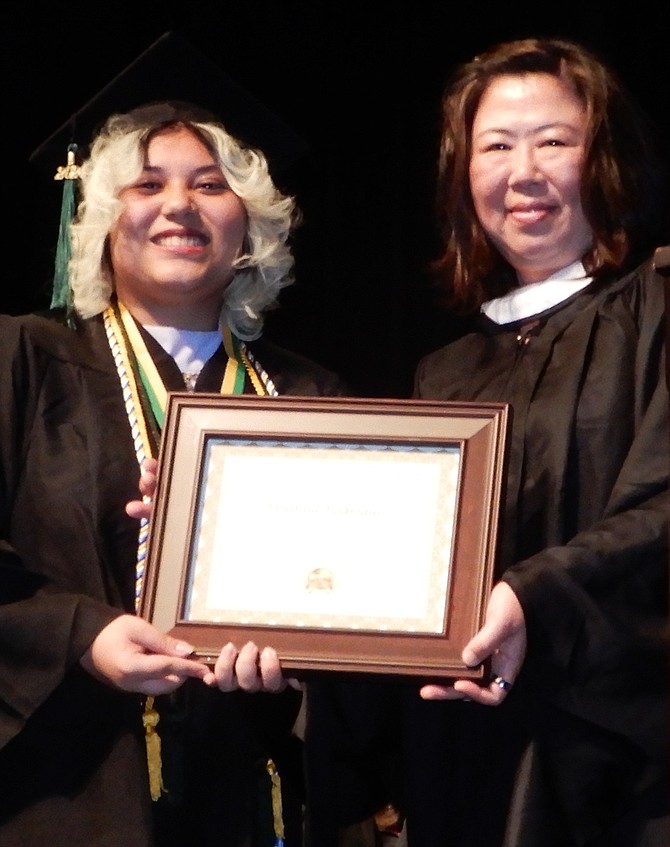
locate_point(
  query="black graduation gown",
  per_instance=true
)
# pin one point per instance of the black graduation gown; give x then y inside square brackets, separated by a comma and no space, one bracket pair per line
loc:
[72,760]
[578,752]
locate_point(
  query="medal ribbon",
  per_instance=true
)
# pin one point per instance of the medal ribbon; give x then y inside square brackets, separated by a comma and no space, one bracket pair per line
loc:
[237,367]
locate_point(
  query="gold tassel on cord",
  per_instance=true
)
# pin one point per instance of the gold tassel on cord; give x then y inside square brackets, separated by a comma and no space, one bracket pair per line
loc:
[150,719]
[277,812]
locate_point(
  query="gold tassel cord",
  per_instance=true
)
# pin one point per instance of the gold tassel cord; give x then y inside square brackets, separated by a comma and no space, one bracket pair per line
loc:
[142,444]
[150,719]
[277,811]
[233,382]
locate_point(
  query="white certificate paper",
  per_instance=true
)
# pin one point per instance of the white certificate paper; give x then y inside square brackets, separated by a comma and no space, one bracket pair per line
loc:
[342,536]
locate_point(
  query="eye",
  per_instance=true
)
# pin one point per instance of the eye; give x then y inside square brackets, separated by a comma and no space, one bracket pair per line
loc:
[147,186]
[212,186]
[495,147]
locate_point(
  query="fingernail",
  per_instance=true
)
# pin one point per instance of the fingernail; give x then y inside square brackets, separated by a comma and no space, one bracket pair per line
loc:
[469,658]
[183,649]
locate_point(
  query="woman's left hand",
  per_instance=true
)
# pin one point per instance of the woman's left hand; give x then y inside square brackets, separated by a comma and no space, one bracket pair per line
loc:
[503,638]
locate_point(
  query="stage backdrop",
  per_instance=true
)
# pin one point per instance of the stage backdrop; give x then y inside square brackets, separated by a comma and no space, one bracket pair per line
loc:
[360,82]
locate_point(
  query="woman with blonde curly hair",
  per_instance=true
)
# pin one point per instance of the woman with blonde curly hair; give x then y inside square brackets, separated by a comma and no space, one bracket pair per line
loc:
[179,244]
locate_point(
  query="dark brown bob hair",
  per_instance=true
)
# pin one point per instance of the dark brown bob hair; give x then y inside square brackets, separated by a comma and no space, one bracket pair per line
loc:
[621,181]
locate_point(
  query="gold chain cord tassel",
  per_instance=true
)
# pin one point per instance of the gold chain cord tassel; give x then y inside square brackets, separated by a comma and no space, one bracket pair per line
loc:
[142,446]
[277,812]
[262,385]
[150,718]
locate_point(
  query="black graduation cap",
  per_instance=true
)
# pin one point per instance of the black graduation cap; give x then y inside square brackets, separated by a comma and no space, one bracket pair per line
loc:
[173,69]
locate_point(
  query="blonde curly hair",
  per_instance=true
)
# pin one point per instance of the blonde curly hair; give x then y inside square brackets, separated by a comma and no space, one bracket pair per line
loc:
[116,160]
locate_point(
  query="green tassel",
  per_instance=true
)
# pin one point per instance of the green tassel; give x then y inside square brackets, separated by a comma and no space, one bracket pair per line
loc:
[61,295]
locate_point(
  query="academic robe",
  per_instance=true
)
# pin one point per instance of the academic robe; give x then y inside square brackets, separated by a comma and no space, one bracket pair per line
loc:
[578,752]
[73,767]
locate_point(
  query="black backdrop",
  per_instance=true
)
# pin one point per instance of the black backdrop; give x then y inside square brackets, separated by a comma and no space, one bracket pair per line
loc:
[360,81]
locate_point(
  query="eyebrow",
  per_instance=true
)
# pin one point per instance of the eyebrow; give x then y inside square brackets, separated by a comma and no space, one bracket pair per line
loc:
[203,169]
[541,128]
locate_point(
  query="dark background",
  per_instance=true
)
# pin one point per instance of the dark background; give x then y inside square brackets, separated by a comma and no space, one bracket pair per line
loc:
[360,82]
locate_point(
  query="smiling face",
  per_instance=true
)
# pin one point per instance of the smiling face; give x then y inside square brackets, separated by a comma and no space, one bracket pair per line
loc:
[528,151]
[173,247]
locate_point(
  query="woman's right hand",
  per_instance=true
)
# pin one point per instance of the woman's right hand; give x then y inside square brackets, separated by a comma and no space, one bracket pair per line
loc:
[248,669]
[132,655]
[503,639]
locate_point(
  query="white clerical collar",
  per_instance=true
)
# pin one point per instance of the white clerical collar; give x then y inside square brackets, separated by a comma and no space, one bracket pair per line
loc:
[189,348]
[529,300]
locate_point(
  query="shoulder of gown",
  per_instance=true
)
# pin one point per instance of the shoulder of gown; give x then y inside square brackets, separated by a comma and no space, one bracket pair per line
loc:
[46,334]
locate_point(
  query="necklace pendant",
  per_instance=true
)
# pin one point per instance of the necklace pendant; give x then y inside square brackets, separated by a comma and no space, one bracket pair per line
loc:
[190,380]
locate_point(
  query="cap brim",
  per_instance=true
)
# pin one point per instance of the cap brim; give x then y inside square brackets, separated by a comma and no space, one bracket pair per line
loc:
[172,69]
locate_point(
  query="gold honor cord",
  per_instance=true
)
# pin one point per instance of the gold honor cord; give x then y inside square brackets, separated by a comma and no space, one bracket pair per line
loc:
[138,427]
[240,362]
[142,444]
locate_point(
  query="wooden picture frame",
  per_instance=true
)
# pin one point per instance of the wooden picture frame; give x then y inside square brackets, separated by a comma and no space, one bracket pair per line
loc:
[351,535]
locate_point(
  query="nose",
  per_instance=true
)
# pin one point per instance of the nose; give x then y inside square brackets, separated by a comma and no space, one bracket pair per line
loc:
[524,166]
[177,199]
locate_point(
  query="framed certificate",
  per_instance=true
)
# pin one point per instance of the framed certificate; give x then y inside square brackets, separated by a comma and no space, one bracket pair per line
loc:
[350,535]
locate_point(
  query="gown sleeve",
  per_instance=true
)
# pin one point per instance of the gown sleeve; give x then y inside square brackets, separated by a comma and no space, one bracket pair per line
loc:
[596,607]
[45,625]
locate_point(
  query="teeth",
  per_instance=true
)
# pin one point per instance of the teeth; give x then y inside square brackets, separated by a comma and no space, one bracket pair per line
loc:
[181,241]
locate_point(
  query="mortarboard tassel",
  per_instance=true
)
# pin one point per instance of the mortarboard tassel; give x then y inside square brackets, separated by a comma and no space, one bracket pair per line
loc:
[61,296]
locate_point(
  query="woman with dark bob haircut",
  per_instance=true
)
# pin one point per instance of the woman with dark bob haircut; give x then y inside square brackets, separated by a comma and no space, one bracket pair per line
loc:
[548,209]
